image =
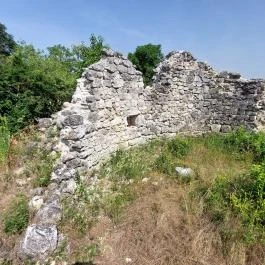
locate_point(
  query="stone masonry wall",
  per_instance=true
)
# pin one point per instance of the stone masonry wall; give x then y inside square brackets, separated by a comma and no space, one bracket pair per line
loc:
[189,96]
[111,109]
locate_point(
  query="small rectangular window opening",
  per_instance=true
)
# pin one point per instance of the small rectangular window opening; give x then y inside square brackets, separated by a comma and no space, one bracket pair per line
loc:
[131,120]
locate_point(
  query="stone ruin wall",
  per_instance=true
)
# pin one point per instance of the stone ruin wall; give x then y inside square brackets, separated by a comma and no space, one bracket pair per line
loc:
[189,96]
[111,109]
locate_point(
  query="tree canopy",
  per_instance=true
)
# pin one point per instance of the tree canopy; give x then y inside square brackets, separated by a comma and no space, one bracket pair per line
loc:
[7,43]
[35,84]
[146,58]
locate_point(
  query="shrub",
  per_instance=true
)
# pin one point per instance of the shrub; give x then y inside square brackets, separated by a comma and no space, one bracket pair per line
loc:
[165,163]
[35,84]
[16,217]
[178,147]
[244,197]
[247,141]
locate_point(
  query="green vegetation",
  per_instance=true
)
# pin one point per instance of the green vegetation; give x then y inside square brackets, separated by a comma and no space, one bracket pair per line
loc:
[171,152]
[35,83]
[4,140]
[7,43]
[244,141]
[146,58]
[88,253]
[42,169]
[239,199]
[16,217]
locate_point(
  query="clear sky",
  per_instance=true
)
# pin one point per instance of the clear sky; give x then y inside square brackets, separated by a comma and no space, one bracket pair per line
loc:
[228,34]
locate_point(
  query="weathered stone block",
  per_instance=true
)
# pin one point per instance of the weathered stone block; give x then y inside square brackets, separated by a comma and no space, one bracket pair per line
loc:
[73,120]
[39,241]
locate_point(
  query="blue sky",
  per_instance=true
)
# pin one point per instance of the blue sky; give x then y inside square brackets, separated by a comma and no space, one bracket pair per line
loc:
[228,34]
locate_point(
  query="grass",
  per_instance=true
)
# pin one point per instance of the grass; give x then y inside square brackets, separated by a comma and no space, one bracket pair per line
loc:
[16,217]
[136,206]
[42,168]
[132,176]
[4,141]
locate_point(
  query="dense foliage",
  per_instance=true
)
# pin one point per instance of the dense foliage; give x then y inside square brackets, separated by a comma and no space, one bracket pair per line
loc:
[34,83]
[7,43]
[146,58]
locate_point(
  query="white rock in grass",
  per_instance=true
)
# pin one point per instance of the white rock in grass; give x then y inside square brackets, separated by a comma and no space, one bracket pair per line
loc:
[128,260]
[185,172]
[36,202]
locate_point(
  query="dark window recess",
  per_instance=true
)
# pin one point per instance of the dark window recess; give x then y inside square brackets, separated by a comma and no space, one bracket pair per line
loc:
[131,120]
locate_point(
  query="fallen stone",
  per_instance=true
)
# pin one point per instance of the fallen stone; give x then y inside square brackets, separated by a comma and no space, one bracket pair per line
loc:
[50,212]
[39,242]
[185,172]
[37,191]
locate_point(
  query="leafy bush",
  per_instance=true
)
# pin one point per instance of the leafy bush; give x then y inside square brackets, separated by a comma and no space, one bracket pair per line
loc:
[16,217]
[7,43]
[243,197]
[165,163]
[247,141]
[178,147]
[35,84]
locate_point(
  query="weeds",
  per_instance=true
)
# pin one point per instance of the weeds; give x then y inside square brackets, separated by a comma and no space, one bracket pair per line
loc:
[171,152]
[87,253]
[124,165]
[42,168]
[16,217]
[4,140]
[245,141]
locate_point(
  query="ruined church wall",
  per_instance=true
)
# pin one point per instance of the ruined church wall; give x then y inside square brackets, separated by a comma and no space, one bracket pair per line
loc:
[107,112]
[111,109]
[189,96]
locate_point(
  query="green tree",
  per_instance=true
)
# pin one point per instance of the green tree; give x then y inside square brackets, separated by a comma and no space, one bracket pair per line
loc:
[35,84]
[146,58]
[88,54]
[7,43]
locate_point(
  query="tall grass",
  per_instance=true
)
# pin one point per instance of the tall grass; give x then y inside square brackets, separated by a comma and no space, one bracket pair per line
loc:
[16,217]
[4,140]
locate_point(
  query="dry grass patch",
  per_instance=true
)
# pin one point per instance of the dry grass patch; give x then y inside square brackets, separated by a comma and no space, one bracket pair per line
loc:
[159,228]
[17,177]
[211,161]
